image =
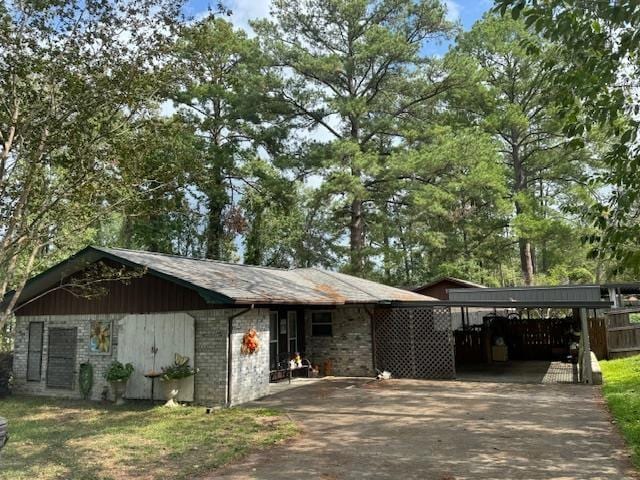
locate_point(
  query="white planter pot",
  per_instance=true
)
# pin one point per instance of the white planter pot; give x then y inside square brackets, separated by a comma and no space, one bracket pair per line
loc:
[171,389]
[119,387]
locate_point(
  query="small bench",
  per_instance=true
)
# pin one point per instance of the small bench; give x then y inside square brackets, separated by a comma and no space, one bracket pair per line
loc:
[284,370]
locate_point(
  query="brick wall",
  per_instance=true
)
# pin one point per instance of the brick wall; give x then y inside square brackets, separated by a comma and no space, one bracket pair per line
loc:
[100,362]
[349,348]
[211,356]
[251,373]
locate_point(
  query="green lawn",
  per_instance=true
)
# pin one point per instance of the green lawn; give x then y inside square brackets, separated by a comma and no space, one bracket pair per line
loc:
[56,439]
[622,391]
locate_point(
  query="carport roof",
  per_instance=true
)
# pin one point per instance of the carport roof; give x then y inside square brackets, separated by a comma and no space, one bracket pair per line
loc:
[228,283]
[508,304]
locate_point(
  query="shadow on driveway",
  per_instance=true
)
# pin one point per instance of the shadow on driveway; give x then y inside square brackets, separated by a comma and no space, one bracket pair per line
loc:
[440,430]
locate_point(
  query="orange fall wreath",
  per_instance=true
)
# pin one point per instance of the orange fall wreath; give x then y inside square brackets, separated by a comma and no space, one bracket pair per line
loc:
[250,342]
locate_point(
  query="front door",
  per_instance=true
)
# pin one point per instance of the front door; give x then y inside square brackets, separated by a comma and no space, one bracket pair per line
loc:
[286,334]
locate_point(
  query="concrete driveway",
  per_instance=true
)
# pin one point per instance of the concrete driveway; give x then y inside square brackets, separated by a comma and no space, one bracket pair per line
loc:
[441,430]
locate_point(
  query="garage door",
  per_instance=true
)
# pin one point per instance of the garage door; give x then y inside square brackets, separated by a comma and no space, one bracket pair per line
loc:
[151,342]
[414,342]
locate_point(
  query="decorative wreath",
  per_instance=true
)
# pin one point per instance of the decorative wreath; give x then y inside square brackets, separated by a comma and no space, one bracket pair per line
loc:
[250,342]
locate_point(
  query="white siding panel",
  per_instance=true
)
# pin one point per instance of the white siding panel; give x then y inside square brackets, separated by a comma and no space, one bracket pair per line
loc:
[150,342]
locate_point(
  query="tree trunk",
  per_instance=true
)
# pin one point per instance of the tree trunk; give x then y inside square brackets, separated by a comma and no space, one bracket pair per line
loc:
[520,185]
[215,230]
[217,200]
[526,261]
[357,237]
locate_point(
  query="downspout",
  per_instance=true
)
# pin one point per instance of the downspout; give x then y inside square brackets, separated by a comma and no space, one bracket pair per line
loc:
[230,349]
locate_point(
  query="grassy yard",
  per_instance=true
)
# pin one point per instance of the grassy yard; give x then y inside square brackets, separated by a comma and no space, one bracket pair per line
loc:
[622,391]
[54,439]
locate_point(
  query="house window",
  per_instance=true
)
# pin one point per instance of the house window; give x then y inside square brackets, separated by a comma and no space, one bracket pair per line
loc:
[322,324]
[273,339]
[34,355]
[293,331]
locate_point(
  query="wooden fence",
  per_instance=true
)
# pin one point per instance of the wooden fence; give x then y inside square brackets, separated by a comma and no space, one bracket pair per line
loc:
[623,336]
[470,345]
[598,337]
[528,339]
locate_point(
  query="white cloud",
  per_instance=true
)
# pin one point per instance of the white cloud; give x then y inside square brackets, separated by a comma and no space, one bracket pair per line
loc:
[453,10]
[246,10]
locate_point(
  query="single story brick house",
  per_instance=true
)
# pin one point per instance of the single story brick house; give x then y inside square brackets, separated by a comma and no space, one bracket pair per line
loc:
[202,309]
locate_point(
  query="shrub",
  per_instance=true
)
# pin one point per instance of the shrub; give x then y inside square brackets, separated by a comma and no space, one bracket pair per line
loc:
[118,371]
[85,379]
[178,371]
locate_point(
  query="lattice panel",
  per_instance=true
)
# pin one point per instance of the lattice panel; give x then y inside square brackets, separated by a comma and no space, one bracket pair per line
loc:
[415,342]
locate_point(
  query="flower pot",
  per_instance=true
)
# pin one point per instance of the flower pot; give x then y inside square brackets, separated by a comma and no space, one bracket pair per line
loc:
[170,389]
[119,387]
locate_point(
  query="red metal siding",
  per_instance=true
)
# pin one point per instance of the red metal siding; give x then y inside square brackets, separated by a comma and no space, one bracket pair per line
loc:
[146,294]
[439,290]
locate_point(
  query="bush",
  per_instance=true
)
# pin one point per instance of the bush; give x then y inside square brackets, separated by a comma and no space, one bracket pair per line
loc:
[178,371]
[118,371]
[86,379]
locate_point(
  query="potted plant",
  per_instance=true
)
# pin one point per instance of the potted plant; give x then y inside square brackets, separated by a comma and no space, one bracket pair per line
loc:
[172,377]
[118,375]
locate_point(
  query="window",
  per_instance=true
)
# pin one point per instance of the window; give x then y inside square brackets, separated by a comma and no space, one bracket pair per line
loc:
[293,332]
[34,355]
[322,324]
[273,339]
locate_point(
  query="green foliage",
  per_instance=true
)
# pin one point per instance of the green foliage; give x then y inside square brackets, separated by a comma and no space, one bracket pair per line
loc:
[597,64]
[354,71]
[515,101]
[85,379]
[621,386]
[178,371]
[118,372]
[73,75]
[230,115]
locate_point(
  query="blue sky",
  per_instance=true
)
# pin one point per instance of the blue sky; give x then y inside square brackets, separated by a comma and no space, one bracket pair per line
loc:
[464,11]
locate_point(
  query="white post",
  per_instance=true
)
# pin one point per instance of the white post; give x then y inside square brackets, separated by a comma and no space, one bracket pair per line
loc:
[587,374]
[613,297]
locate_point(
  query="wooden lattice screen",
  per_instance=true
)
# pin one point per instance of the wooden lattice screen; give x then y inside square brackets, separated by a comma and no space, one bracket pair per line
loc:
[414,342]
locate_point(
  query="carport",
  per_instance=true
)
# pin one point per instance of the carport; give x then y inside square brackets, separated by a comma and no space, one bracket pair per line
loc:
[533,323]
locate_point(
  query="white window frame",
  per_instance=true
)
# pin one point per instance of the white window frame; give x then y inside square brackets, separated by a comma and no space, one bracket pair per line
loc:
[292,319]
[274,338]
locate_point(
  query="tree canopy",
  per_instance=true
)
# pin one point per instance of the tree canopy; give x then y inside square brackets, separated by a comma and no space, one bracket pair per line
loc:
[326,135]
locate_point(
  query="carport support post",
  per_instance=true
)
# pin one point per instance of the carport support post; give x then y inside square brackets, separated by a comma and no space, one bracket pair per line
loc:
[587,374]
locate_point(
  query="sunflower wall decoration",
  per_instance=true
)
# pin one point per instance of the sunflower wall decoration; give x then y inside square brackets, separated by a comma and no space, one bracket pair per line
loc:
[100,338]
[250,342]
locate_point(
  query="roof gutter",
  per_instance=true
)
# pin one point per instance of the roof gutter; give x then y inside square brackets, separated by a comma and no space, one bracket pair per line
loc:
[230,349]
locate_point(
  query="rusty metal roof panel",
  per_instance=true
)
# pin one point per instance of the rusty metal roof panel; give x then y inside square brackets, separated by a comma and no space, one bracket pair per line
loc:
[253,284]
